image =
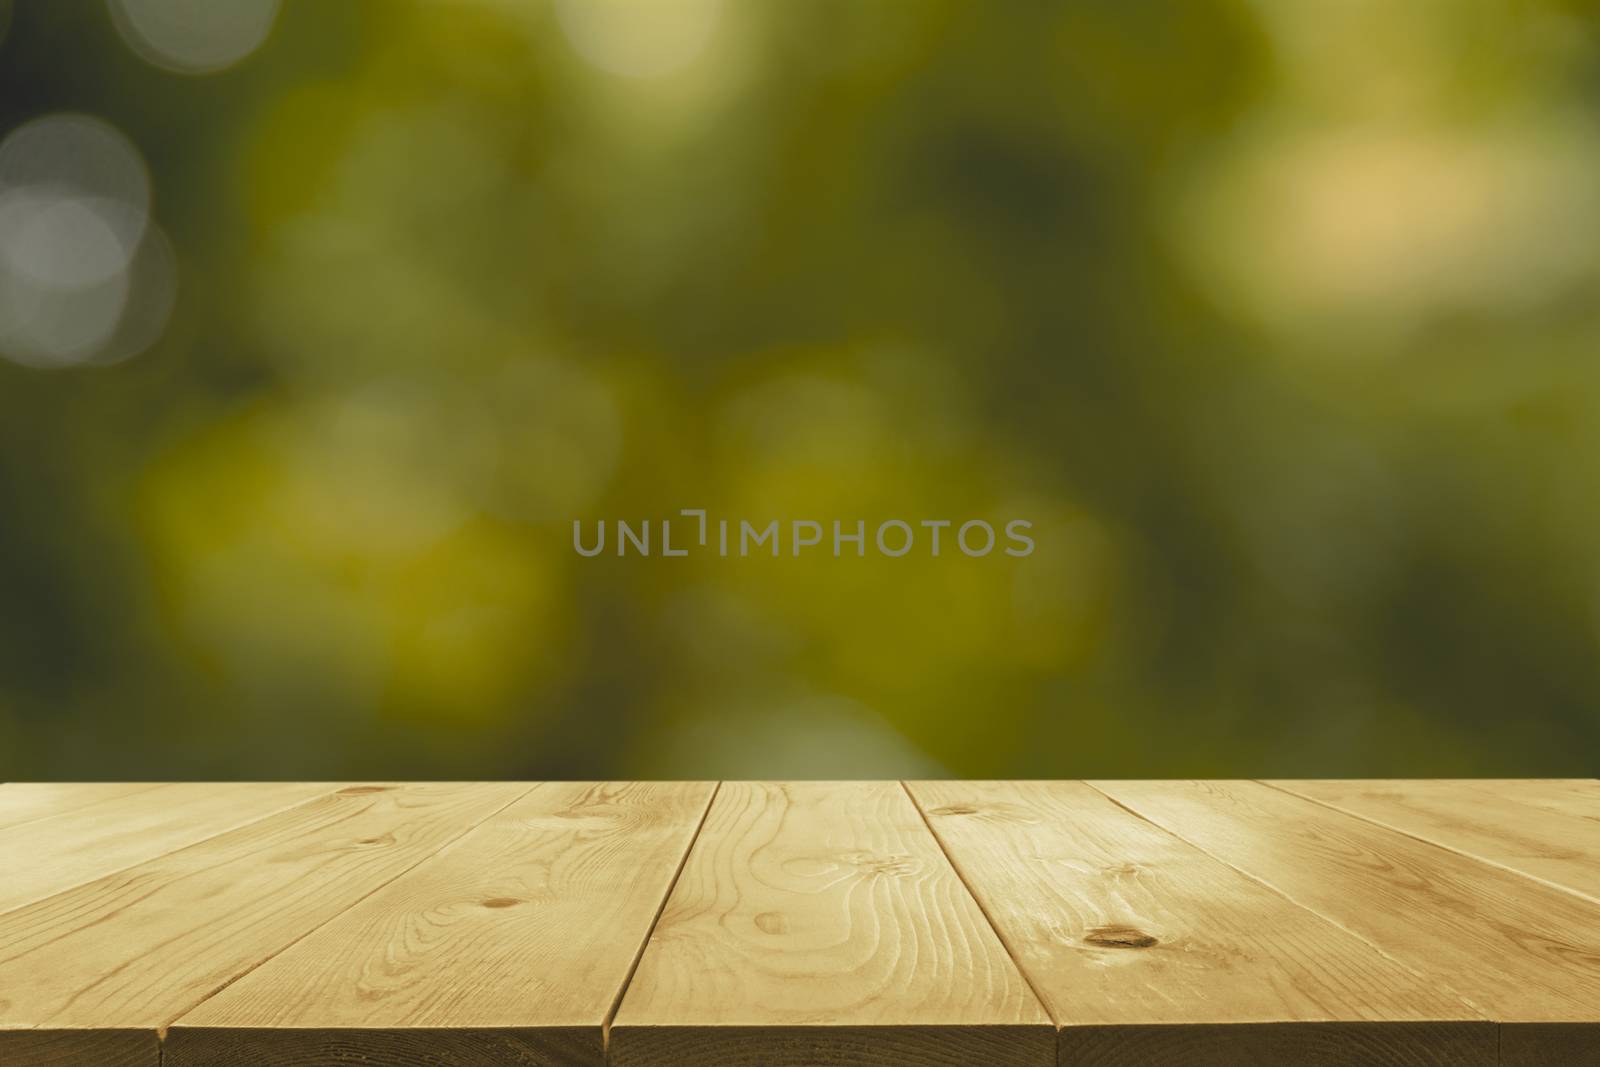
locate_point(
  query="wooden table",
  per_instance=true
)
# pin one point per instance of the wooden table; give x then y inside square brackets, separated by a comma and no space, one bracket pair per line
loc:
[943,924]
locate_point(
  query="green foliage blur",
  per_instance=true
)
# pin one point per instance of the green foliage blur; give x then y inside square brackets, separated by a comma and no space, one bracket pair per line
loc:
[1278,319]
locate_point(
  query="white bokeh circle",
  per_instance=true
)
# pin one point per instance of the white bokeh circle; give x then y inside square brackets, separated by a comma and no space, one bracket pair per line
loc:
[75,166]
[43,325]
[85,277]
[194,36]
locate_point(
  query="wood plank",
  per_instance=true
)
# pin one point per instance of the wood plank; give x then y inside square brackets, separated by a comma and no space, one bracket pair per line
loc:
[511,945]
[1148,951]
[1283,1045]
[136,949]
[430,1046]
[56,853]
[99,1048]
[1572,795]
[826,1044]
[1549,1045]
[819,922]
[1521,951]
[22,802]
[1552,834]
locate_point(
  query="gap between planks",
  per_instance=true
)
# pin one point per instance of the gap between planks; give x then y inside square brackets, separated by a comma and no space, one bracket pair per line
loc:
[983,909]
[638,954]
[1286,896]
[112,791]
[161,1031]
[1420,838]
[967,887]
[1526,1034]
[1065,1028]
[309,793]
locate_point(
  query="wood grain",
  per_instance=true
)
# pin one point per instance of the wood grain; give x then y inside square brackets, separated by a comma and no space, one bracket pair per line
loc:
[510,946]
[84,844]
[91,1048]
[1549,1045]
[136,949]
[817,923]
[828,1045]
[1303,1044]
[22,802]
[1521,951]
[1146,950]
[434,1046]
[1163,924]
[1549,830]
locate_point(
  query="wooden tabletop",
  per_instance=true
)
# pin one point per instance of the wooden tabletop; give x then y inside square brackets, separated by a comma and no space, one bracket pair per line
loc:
[935,924]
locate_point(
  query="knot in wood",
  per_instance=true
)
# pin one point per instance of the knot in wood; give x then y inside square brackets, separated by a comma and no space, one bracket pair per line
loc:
[1118,937]
[887,865]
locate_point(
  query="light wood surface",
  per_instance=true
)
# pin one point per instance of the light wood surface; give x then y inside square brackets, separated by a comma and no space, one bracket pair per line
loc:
[22,802]
[530,922]
[1548,830]
[843,924]
[1520,951]
[136,949]
[86,843]
[820,922]
[1146,950]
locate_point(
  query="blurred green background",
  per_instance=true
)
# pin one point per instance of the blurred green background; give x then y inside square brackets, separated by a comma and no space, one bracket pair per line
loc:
[1278,319]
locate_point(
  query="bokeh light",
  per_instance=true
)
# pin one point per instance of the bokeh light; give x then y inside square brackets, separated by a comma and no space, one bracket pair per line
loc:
[152,292]
[639,38]
[194,36]
[89,159]
[80,263]
[1278,324]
